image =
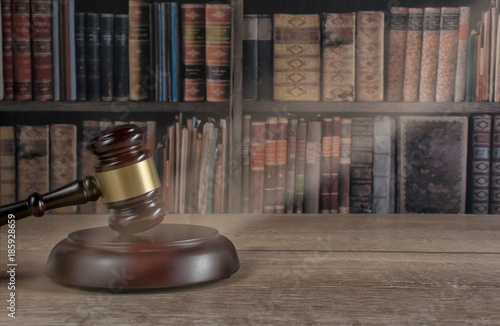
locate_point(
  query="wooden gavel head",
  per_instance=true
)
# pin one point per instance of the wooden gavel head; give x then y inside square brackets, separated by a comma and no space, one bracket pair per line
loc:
[127,179]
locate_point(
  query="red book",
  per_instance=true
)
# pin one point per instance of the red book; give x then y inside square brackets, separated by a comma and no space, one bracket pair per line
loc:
[326,150]
[257,154]
[8,68]
[41,41]
[281,160]
[21,47]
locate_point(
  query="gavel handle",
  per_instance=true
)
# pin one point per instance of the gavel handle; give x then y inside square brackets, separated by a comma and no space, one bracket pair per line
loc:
[75,193]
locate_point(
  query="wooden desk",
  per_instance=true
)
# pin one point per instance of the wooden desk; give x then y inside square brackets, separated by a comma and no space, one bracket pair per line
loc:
[305,270]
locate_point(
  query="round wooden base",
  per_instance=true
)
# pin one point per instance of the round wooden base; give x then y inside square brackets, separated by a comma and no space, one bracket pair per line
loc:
[168,255]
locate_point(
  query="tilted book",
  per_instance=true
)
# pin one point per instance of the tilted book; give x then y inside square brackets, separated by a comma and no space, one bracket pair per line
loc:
[8,67]
[257,157]
[297,57]
[344,165]
[339,44]
[138,49]
[281,160]
[461,71]
[430,51]
[370,56]
[7,165]
[396,46]
[270,164]
[290,164]
[432,153]
[413,54]
[495,167]
[312,172]
[21,49]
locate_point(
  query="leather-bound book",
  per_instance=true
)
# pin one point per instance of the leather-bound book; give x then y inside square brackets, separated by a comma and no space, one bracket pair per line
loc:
[300,164]
[497,66]
[339,45]
[326,151]
[193,51]
[447,57]
[413,54]
[384,165]
[81,78]
[312,173]
[63,160]
[290,164]
[245,164]
[335,166]
[361,187]
[396,48]
[281,160]
[344,165]
[495,167]
[257,157]
[32,160]
[432,152]
[430,50]
[218,51]
[250,57]
[270,165]
[21,49]
[265,57]
[56,59]
[92,56]
[138,50]
[8,67]
[7,165]
[470,88]
[461,71]
[297,57]
[479,165]
[120,59]
[106,60]
[370,56]
[175,49]
[41,39]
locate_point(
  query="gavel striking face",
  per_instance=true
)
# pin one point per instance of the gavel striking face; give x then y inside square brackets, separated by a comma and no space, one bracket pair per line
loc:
[125,178]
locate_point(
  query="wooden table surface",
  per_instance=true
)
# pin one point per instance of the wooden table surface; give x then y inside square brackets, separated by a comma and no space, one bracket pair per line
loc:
[295,270]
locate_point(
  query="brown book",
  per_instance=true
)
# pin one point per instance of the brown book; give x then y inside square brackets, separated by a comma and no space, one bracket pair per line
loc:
[8,67]
[430,51]
[370,56]
[290,164]
[326,152]
[41,39]
[297,57]
[270,165]
[218,52]
[300,164]
[312,173]
[63,162]
[334,166]
[447,56]
[32,160]
[413,54]
[339,45]
[344,164]
[7,165]
[245,164]
[138,46]
[396,48]
[281,160]
[193,51]
[257,157]
[87,160]
[21,49]
[461,71]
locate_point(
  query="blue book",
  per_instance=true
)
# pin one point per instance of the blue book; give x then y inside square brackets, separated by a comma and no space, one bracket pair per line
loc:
[174,29]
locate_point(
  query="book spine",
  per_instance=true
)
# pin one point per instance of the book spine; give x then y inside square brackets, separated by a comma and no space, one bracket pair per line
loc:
[413,54]
[270,165]
[120,59]
[139,64]
[429,59]
[193,51]
[265,57]
[384,165]
[61,49]
[447,56]
[71,51]
[326,152]
[56,60]
[7,165]
[7,54]
[153,47]
[312,173]
[81,78]
[495,167]
[398,27]
[345,165]
[41,41]
[370,56]
[470,95]
[486,44]
[250,57]
[497,68]
[63,160]
[479,175]
[32,160]
[106,59]
[245,164]
[176,66]
[1,58]
[257,159]
[281,160]
[21,50]
[290,165]
[300,164]
[462,50]
[218,52]
[480,63]
[92,56]
[339,46]
[334,166]
[297,57]
[493,51]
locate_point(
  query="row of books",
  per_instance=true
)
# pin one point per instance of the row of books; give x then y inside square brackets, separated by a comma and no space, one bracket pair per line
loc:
[161,51]
[190,158]
[371,165]
[422,54]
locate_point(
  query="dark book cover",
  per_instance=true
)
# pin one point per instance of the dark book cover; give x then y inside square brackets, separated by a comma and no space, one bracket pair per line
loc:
[153,47]
[265,57]
[335,166]
[344,164]
[312,172]
[250,57]
[300,164]
[7,165]
[326,152]
[21,49]
[281,160]
[120,59]
[81,77]
[8,66]
[245,164]
[432,154]
[257,158]
[106,60]
[92,56]
[290,164]
[270,165]
[495,167]
[470,91]
[139,60]
[175,49]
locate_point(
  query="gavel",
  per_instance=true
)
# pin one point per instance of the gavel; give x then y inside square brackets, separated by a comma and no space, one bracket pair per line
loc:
[125,178]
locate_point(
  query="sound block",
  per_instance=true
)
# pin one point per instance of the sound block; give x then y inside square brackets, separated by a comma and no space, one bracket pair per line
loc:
[168,255]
